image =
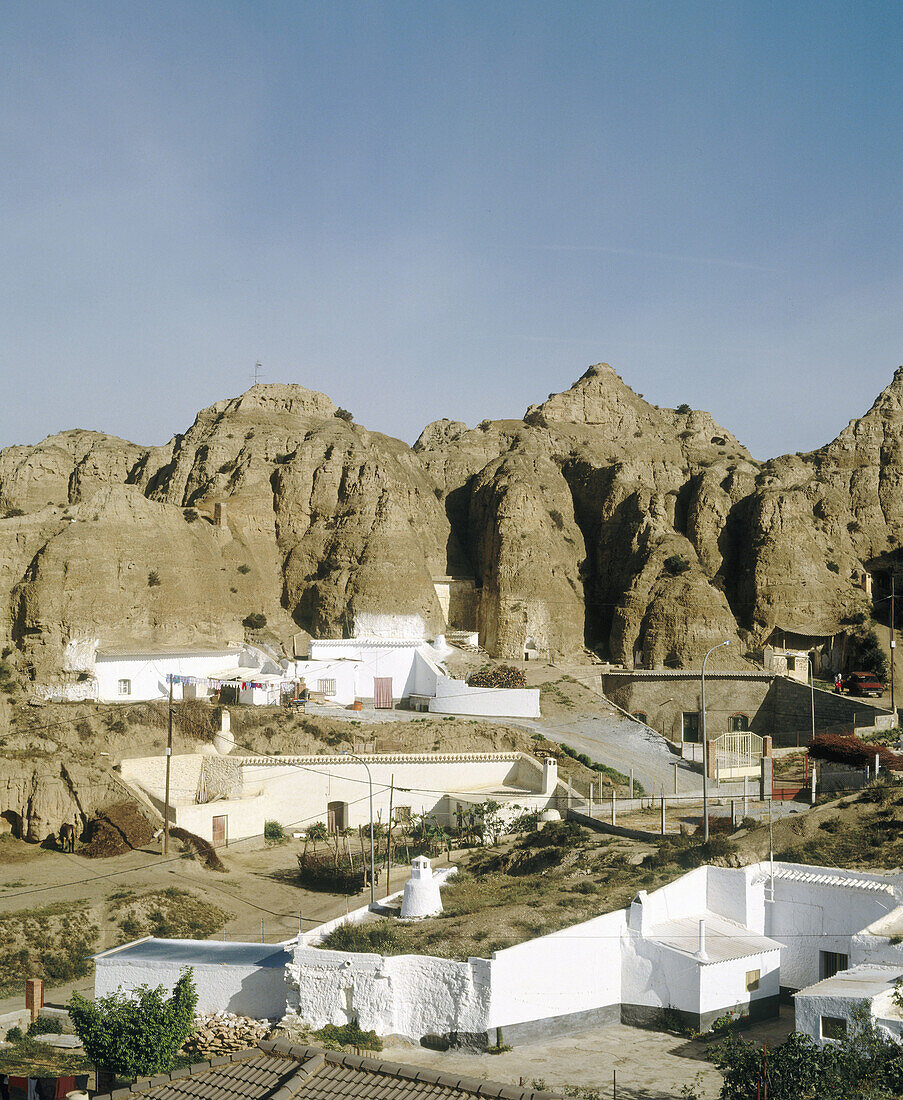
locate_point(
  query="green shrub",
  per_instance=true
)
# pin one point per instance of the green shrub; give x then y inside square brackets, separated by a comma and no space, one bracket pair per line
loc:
[833,566]
[349,1035]
[11,513]
[44,1025]
[344,414]
[15,1035]
[676,564]
[255,621]
[272,830]
[244,568]
[153,579]
[380,938]
[190,514]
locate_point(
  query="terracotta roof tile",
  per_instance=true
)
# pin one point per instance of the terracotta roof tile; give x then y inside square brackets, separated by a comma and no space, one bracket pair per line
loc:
[285,1071]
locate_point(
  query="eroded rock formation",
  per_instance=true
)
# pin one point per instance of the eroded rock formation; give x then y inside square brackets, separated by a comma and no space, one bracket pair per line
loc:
[598,519]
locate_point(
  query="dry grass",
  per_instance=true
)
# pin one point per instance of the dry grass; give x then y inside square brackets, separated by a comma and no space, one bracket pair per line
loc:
[529,886]
[169,913]
[53,942]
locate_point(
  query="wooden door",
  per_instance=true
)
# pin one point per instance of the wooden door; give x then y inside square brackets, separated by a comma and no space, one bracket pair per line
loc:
[382,692]
[335,817]
[221,831]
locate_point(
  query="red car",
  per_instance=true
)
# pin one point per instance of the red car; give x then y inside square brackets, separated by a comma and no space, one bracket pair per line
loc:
[862,683]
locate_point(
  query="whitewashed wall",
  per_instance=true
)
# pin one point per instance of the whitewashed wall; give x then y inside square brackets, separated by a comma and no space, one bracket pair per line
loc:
[407,995]
[312,672]
[572,971]
[456,697]
[809,917]
[370,624]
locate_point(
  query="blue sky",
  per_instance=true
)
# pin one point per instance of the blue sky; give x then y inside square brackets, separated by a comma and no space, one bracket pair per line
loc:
[435,209]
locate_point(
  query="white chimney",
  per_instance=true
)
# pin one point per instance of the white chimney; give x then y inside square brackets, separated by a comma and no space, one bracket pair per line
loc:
[549,775]
[701,953]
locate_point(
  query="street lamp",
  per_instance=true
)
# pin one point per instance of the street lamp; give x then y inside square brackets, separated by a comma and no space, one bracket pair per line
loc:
[345,752]
[705,747]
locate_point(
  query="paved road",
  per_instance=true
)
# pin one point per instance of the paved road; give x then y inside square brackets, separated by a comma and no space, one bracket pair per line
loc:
[622,745]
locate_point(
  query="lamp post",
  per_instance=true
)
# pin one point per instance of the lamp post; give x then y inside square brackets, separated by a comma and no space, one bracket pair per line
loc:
[705,747]
[345,752]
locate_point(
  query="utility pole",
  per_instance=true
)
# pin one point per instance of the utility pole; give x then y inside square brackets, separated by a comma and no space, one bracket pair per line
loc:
[811,663]
[168,764]
[893,643]
[705,752]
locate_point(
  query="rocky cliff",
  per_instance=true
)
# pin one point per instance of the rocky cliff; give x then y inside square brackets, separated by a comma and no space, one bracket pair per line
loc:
[598,519]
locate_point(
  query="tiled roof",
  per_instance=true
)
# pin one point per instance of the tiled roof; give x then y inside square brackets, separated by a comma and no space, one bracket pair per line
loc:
[283,1071]
[724,939]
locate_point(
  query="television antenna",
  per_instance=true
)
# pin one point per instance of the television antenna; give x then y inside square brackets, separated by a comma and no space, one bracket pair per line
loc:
[257,372]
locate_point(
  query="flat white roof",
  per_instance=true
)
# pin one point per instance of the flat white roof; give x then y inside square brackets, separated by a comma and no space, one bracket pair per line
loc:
[153,653]
[859,982]
[724,939]
[199,953]
[369,643]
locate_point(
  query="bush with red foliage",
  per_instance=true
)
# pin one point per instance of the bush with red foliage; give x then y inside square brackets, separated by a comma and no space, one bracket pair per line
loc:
[847,749]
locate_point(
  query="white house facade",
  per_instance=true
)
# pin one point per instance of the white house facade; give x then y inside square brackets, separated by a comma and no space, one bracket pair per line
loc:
[229,798]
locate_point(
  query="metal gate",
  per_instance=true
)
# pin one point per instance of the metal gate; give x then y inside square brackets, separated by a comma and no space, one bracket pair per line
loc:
[736,755]
[382,692]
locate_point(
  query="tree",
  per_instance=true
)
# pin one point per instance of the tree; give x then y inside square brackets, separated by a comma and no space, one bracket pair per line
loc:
[866,1065]
[138,1033]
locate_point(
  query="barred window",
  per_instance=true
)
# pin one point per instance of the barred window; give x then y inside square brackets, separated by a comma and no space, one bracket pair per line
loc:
[327,687]
[125,687]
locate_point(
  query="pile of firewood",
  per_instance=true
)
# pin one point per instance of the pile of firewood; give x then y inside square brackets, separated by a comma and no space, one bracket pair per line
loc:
[502,676]
[223,1033]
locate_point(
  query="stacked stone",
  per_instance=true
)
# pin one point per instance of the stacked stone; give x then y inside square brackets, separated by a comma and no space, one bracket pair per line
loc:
[223,1033]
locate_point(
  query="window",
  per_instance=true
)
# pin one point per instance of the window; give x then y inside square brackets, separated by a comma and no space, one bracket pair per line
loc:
[326,686]
[125,687]
[739,723]
[641,716]
[690,725]
[833,1027]
[402,814]
[752,980]
[832,962]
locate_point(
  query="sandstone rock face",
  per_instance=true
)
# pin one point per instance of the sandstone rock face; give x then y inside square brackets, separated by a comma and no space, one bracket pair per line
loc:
[598,519]
[36,798]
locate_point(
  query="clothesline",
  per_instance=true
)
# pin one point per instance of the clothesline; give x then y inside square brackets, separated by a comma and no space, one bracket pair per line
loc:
[214,683]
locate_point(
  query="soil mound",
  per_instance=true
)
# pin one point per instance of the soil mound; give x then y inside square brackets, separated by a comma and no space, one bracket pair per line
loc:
[115,830]
[202,849]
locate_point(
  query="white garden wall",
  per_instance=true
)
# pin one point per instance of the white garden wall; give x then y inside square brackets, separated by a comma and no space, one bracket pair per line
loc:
[574,971]
[456,697]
